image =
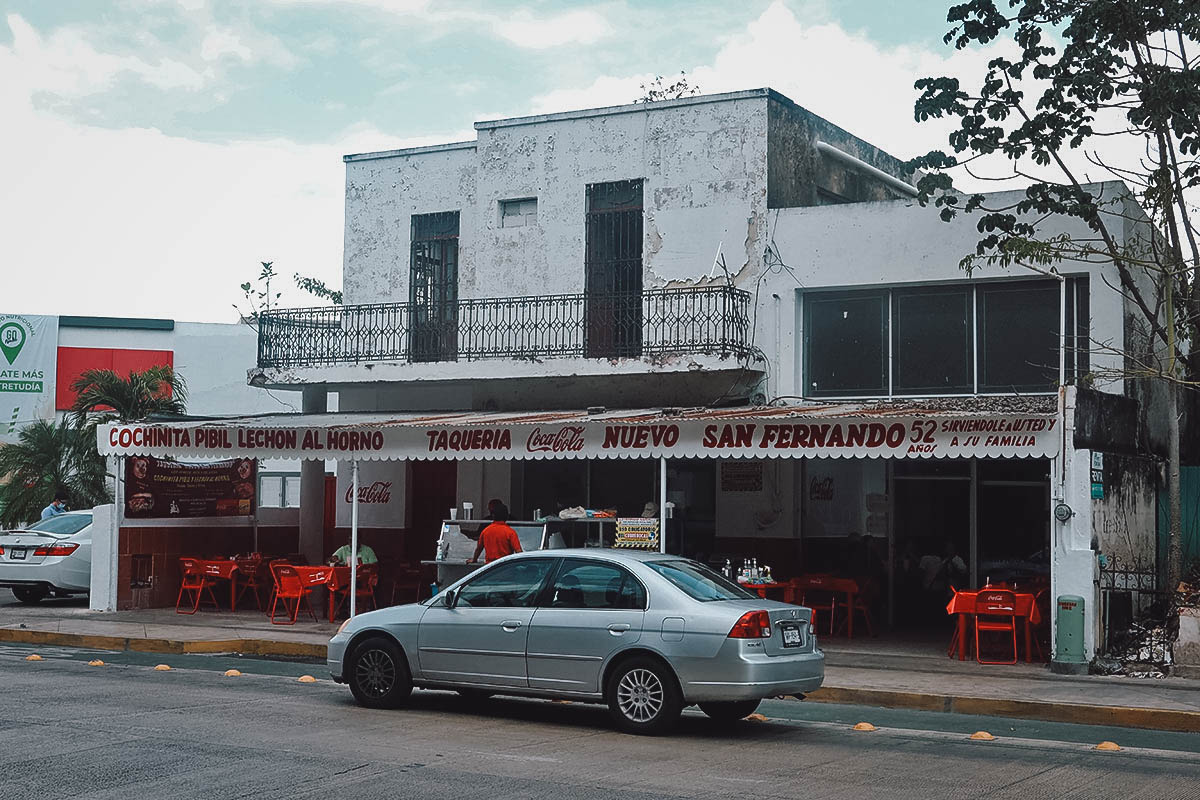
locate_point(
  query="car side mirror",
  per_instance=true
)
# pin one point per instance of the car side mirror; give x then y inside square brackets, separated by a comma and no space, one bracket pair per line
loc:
[451,598]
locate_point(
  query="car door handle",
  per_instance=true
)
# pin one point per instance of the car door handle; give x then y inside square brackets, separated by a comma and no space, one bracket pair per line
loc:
[618,627]
[510,625]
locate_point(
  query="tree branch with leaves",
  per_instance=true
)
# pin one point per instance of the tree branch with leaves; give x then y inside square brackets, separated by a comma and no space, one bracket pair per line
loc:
[1087,76]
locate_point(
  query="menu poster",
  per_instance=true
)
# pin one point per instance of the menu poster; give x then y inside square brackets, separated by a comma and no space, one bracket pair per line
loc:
[156,489]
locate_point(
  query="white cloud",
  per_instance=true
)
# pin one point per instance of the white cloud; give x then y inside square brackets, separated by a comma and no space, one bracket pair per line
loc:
[846,78]
[223,42]
[523,29]
[842,76]
[67,64]
[220,42]
[135,222]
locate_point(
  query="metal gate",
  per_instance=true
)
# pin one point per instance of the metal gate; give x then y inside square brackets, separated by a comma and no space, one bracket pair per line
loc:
[433,287]
[1137,616]
[613,265]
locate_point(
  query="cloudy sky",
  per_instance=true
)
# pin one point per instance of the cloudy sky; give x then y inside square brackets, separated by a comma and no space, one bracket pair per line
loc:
[154,151]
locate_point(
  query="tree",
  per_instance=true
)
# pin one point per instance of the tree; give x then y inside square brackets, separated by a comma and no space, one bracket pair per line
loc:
[258,298]
[655,90]
[1089,75]
[104,396]
[257,294]
[48,459]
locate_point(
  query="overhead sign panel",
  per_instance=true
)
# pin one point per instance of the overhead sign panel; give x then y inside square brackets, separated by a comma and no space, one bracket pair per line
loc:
[28,351]
[769,434]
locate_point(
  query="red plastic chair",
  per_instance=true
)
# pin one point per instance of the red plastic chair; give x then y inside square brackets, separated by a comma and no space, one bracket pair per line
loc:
[995,612]
[368,579]
[249,578]
[822,600]
[194,583]
[289,587]
[860,604]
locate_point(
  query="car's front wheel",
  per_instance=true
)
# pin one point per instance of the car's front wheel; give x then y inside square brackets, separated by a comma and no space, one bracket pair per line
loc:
[730,711]
[643,697]
[30,594]
[378,673]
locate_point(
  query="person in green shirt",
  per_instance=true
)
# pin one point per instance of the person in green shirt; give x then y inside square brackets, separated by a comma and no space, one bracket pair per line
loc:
[341,556]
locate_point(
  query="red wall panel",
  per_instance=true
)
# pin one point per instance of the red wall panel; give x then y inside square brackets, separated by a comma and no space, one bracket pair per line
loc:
[73,361]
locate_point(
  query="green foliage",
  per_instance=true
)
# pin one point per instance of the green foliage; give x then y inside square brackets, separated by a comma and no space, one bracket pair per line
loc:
[1085,71]
[656,90]
[318,288]
[104,396]
[257,294]
[46,459]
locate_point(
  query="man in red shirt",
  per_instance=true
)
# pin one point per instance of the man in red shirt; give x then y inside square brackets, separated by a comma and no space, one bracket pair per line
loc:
[498,539]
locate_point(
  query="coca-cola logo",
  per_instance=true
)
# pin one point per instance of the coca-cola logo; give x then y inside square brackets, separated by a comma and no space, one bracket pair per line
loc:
[820,489]
[567,439]
[378,492]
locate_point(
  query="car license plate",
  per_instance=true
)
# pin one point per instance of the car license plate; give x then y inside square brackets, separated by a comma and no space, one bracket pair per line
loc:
[18,554]
[792,636]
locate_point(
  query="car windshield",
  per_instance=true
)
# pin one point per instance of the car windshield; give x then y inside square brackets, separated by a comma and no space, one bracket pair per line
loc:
[698,581]
[63,524]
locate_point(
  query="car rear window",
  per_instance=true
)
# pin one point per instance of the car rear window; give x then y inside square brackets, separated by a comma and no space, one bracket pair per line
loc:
[63,524]
[698,581]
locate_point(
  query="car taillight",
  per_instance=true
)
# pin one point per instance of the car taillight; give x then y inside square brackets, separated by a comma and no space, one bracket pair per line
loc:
[1,551]
[752,625]
[56,550]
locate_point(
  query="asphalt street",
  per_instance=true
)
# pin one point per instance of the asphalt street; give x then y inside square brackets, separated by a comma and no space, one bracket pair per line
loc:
[126,731]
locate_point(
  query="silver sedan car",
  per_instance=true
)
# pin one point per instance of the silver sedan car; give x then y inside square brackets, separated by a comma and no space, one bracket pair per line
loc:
[54,555]
[645,633]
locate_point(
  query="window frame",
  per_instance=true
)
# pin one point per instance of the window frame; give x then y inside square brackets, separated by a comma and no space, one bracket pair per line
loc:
[1076,342]
[548,591]
[883,295]
[528,220]
[538,595]
[1064,337]
[895,295]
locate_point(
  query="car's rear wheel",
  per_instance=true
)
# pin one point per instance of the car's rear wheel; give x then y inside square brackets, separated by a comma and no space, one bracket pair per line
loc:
[30,594]
[730,711]
[378,673]
[643,696]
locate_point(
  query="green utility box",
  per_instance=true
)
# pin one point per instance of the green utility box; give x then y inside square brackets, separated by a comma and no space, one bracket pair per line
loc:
[1069,653]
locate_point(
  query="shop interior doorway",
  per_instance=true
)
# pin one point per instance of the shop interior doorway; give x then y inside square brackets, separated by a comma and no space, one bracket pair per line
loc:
[962,523]
[931,539]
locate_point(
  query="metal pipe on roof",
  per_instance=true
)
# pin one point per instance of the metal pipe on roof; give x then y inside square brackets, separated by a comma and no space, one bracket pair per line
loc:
[861,166]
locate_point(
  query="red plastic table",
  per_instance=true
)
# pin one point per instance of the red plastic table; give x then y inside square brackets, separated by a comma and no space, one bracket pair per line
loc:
[963,604]
[763,588]
[328,577]
[225,571]
[829,583]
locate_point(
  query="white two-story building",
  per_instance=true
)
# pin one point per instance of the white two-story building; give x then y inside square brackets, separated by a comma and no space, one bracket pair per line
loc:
[729,251]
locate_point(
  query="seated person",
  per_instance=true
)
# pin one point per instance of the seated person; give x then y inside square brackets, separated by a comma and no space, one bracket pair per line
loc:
[341,556]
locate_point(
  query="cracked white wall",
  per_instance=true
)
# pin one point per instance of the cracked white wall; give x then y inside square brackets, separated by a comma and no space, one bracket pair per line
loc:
[704,167]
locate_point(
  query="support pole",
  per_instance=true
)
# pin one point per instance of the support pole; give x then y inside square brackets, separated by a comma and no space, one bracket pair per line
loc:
[354,537]
[662,505]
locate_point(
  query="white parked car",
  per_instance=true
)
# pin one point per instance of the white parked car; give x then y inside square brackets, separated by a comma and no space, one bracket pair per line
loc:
[53,556]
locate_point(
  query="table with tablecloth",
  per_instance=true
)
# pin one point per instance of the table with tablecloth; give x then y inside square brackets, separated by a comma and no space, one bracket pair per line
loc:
[963,606]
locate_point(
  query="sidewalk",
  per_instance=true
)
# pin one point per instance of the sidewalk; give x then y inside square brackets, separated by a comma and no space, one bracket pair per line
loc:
[868,672]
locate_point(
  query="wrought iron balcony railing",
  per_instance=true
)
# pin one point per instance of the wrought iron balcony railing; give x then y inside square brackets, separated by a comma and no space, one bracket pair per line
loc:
[708,320]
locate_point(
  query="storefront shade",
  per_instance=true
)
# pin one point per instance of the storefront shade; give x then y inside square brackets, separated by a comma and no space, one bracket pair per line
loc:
[825,431]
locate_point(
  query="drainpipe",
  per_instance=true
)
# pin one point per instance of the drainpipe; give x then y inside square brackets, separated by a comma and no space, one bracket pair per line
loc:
[858,165]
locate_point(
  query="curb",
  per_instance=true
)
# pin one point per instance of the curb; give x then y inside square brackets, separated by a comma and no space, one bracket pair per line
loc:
[1077,713]
[254,647]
